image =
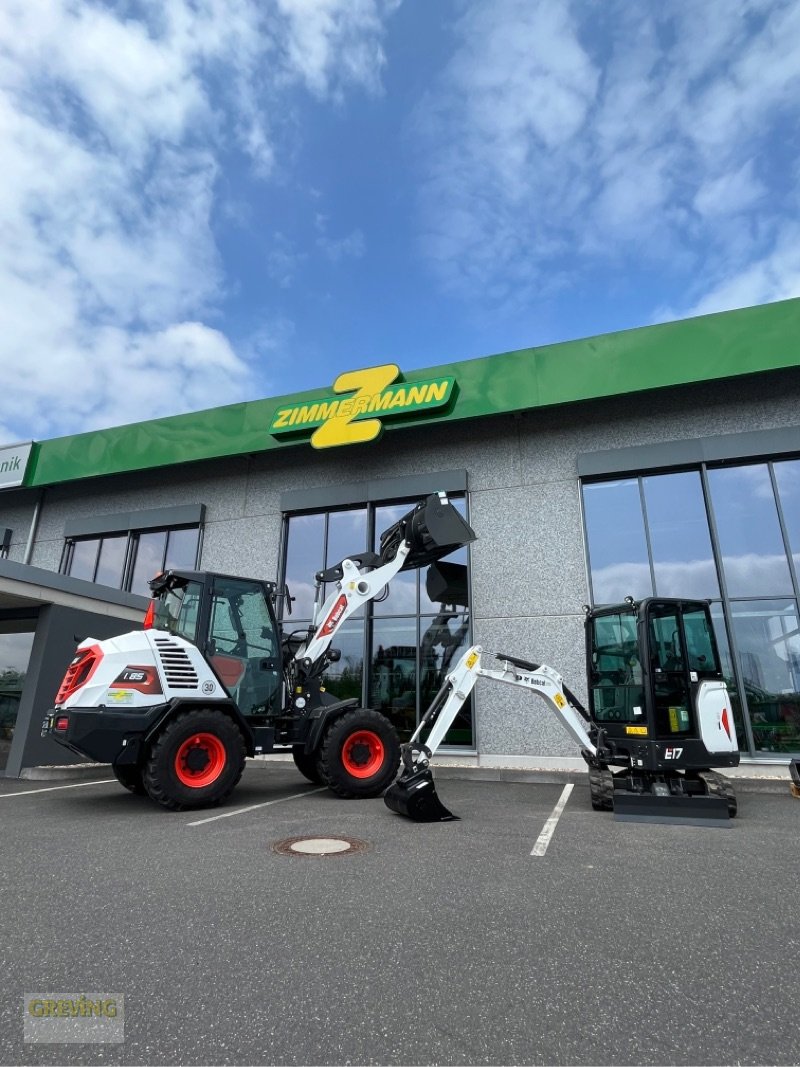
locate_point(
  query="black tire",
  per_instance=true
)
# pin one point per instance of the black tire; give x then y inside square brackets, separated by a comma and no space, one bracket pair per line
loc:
[175,775]
[601,788]
[131,778]
[307,763]
[360,754]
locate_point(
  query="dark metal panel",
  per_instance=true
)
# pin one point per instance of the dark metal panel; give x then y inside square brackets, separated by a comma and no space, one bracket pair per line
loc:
[122,521]
[373,490]
[717,449]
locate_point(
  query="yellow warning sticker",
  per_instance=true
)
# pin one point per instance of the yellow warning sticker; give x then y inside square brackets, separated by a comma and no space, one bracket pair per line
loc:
[472,659]
[640,731]
[559,700]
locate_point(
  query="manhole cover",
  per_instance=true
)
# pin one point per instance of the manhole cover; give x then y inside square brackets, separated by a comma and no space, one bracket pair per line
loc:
[318,846]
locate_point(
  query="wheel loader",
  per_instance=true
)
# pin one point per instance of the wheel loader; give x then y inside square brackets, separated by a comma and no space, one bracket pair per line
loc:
[659,716]
[212,678]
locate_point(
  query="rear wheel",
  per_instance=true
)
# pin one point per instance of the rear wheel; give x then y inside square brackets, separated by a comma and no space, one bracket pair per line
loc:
[307,763]
[131,778]
[196,761]
[360,754]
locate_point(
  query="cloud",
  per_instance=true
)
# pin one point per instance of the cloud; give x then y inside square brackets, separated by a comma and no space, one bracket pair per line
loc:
[563,138]
[115,124]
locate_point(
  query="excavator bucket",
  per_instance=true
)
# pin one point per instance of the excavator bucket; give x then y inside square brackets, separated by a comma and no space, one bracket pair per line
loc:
[415,797]
[433,528]
[686,810]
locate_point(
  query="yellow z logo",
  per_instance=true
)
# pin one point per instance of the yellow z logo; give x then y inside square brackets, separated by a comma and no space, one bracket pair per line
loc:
[341,429]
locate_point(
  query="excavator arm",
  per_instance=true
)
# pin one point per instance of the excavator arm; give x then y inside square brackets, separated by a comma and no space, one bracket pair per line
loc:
[413,793]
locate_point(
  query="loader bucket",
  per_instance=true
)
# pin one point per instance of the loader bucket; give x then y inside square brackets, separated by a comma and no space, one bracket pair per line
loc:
[415,797]
[685,810]
[433,528]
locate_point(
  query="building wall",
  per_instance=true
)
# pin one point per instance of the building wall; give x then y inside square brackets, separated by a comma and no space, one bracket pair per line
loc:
[528,569]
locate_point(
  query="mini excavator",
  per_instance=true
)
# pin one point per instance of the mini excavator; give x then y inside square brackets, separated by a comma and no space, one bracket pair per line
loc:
[659,716]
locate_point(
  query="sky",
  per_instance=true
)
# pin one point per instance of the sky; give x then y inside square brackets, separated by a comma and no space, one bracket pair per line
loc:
[210,201]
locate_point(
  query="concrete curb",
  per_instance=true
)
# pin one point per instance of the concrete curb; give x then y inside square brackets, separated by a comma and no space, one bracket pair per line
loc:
[759,780]
[72,770]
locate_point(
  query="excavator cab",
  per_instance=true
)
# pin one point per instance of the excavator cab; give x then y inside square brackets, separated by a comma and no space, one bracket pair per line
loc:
[656,692]
[232,621]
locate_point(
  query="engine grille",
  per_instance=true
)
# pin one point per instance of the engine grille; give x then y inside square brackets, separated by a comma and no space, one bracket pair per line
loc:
[176,665]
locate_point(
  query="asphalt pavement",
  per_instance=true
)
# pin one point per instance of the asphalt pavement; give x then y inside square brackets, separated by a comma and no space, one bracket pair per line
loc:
[447,943]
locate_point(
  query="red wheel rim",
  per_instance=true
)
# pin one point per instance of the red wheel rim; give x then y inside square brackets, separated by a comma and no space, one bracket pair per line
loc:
[200,760]
[362,754]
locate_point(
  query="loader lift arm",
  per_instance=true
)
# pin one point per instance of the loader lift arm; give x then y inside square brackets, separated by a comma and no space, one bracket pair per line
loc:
[413,793]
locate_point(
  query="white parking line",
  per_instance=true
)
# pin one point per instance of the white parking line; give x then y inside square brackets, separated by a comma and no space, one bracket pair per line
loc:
[53,788]
[543,840]
[264,804]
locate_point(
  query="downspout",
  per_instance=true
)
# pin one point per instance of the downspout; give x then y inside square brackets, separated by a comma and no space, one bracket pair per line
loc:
[34,526]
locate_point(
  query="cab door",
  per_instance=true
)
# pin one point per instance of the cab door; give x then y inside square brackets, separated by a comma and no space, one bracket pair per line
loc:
[673,705]
[242,645]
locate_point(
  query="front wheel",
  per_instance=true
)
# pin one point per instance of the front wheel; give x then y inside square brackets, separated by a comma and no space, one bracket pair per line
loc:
[196,760]
[360,754]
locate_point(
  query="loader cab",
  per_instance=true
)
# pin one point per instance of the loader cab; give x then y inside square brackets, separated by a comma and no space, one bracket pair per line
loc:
[232,621]
[654,675]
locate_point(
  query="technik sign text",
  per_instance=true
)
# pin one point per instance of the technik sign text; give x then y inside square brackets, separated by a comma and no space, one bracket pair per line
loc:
[376,391]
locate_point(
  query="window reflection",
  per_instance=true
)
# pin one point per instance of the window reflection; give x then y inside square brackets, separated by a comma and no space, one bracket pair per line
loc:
[149,560]
[617,543]
[15,650]
[84,559]
[345,679]
[787,476]
[304,557]
[768,642]
[391,659]
[393,672]
[402,594]
[726,665]
[753,553]
[680,539]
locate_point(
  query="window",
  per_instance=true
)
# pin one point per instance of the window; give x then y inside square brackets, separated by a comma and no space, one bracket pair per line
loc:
[729,534]
[396,650]
[129,560]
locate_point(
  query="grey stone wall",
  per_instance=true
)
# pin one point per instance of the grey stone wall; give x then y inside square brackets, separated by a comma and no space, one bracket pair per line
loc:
[528,568]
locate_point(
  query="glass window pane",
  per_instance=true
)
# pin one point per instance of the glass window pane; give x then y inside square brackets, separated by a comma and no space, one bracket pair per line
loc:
[242,644]
[84,559]
[402,596]
[616,541]
[182,550]
[787,475]
[345,678]
[768,642]
[749,534]
[15,652]
[305,555]
[111,562]
[393,672]
[615,672]
[726,664]
[347,535]
[149,560]
[680,539]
